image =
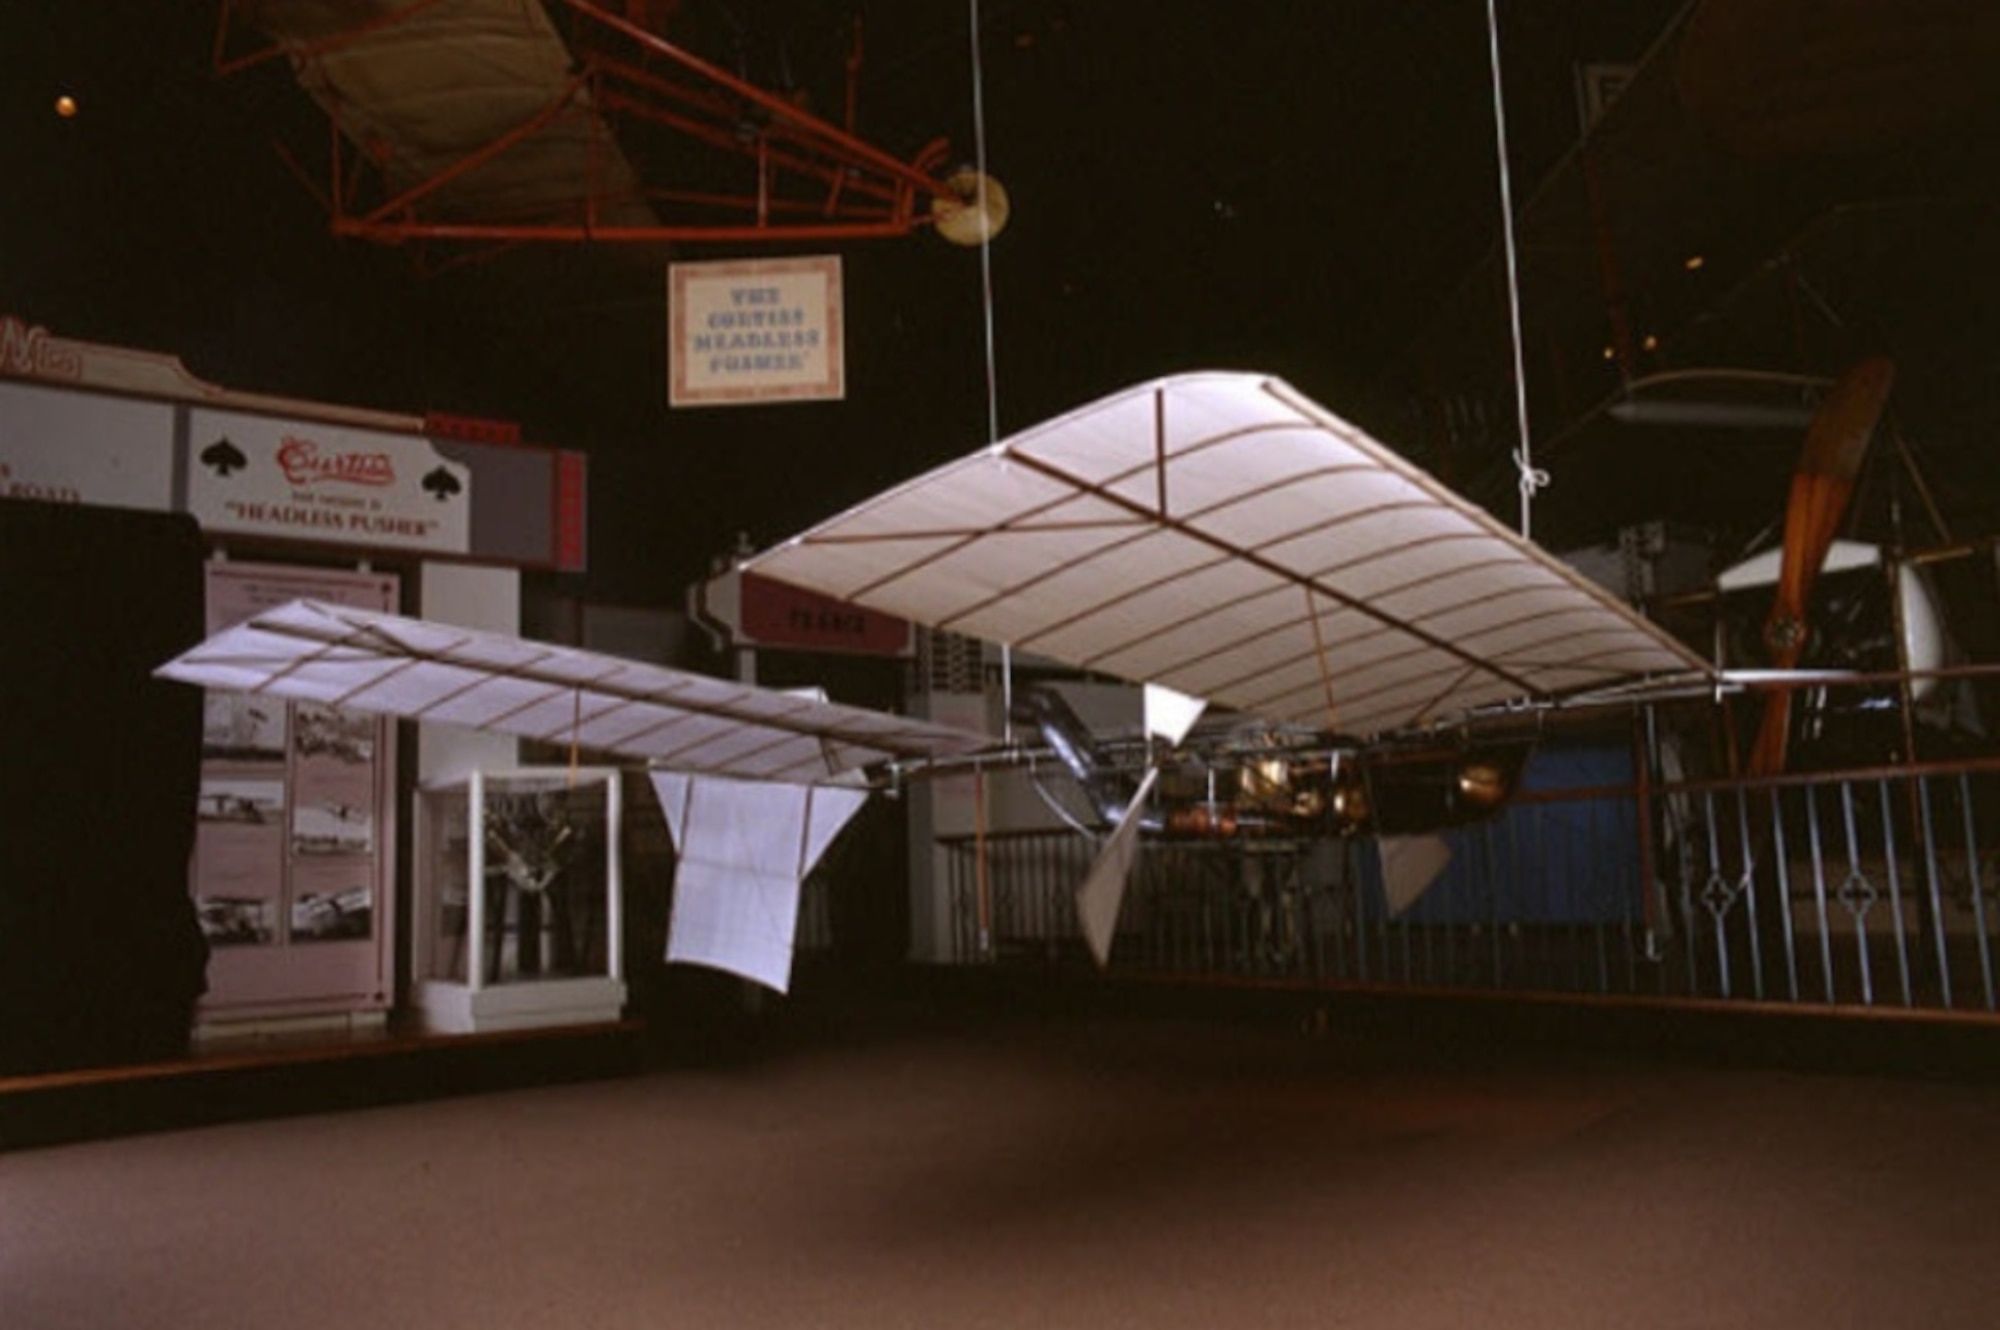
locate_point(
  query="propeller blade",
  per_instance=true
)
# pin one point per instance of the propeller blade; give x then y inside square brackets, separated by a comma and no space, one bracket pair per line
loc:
[1836,443]
[1774,733]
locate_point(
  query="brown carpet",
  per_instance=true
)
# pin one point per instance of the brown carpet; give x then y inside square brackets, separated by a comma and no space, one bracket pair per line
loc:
[1103,1173]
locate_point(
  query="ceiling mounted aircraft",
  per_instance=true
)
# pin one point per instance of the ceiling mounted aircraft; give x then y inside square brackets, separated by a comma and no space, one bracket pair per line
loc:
[495,123]
[1223,536]
[1218,537]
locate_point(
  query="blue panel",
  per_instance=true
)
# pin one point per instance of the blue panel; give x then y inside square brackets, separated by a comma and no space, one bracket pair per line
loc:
[1570,861]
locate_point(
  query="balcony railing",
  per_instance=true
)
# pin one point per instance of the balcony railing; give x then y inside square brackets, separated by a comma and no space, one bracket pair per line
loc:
[1871,888]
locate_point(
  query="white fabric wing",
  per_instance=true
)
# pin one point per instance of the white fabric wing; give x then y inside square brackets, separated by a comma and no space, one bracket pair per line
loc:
[1410,864]
[426,671]
[1103,891]
[1225,536]
[743,851]
[433,90]
[1170,715]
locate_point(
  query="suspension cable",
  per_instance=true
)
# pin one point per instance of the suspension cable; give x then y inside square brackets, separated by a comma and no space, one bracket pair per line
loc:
[986,312]
[1531,477]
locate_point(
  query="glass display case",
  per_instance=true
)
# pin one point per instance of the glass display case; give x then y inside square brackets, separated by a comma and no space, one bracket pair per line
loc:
[517,900]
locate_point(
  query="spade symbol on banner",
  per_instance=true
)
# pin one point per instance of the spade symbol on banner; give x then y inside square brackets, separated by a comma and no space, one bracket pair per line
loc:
[223,457]
[441,484]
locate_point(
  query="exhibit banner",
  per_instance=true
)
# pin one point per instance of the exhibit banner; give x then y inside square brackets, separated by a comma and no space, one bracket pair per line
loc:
[64,446]
[301,480]
[755,330]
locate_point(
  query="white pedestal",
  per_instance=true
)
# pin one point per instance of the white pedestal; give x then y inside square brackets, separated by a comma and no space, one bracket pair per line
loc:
[449,1008]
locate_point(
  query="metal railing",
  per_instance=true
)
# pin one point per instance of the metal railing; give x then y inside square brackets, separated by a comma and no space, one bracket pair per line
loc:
[1870,888]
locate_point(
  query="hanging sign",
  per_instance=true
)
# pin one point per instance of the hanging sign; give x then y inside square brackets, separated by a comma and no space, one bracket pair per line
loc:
[300,480]
[755,330]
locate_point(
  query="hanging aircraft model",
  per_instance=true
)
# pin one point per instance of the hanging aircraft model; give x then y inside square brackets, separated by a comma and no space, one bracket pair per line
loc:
[482,124]
[1218,537]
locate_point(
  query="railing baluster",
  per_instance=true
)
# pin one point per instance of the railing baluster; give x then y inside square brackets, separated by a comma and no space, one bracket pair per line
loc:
[1975,888]
[1817,845]
[1781,859]
[1935,891]
[1687,897]
[1892,854]
[1748,893]
[1856,894]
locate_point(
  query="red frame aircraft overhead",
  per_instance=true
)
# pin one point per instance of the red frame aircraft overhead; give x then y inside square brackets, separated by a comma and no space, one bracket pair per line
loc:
[496,122]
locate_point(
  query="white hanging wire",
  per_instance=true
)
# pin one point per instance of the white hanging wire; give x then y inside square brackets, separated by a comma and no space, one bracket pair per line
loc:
[986,229]
[986,315]
[1532,478]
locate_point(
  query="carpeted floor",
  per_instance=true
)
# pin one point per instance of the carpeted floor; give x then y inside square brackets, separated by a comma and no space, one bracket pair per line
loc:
[1100,1172]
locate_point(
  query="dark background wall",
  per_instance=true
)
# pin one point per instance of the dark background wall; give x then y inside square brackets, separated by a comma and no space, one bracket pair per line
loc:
[101,958]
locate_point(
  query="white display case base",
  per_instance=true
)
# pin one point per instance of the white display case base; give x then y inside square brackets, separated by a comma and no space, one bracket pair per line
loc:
[449,1008]
[235,1031]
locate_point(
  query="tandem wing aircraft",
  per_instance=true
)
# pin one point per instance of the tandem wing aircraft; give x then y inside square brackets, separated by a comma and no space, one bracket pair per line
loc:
[1218,537]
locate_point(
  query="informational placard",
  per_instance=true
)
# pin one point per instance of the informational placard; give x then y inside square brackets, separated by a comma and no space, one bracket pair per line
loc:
[305,481]
[294,835]
[755,330]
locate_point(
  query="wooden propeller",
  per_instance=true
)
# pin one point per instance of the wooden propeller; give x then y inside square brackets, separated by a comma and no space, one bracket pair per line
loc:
[1836,441]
